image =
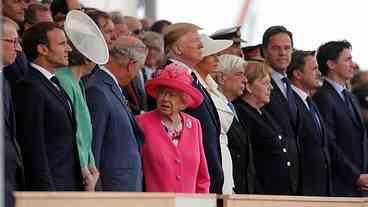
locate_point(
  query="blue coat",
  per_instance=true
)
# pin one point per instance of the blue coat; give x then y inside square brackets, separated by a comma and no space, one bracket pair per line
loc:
[116,135]
[16,71]
[347,141]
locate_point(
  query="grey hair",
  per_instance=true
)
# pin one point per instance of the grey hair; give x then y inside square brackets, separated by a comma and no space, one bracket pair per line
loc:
[7,21]
[136,51]
[149,38]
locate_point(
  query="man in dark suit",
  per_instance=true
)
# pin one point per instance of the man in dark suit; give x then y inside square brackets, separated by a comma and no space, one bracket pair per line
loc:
[183,47]
[13,160]
[345,129]
[15,72]
[314,155]
[116,135]
[277,48]
[45,120]
[231,82]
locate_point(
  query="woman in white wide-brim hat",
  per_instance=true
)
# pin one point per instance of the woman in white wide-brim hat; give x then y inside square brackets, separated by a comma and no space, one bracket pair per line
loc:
[203,69]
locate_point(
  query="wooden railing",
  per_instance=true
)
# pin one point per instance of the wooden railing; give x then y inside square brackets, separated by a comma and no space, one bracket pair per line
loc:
[105,199]
[291,201]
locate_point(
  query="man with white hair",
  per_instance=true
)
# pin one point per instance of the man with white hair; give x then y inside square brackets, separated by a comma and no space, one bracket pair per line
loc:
[231,82]
[116,135]
[183,47]
[13,162]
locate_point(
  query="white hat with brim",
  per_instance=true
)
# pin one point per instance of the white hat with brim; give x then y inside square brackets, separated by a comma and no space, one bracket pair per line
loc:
[211,46]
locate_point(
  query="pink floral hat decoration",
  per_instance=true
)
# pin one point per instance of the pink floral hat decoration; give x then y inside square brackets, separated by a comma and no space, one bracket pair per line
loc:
[176,77]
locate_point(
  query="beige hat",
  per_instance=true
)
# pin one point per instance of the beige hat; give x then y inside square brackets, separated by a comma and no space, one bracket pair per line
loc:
[211,46]
[175,31]
[227,63]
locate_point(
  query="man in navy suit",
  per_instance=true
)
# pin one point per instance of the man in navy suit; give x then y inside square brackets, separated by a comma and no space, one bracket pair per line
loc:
[277,49]
[183,47]
[116,135]
[314,155]
[13,160]
[45,120]
[15,72]
[345,129]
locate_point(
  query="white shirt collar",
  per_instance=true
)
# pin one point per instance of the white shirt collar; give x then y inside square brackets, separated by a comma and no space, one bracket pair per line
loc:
[277,77]
[302,94]
[110,74]
[338,87]
[42,70]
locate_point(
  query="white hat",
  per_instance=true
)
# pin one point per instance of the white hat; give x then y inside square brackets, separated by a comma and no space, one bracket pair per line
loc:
[227,63]
[211,46]
[86,37]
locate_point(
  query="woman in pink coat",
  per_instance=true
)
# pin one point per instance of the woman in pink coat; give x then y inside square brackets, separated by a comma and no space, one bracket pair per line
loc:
[172,153]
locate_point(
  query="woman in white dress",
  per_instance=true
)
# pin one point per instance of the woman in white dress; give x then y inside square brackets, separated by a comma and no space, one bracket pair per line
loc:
[203,69]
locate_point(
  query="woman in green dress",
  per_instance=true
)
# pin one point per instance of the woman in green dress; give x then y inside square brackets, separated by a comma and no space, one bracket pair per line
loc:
[69,78]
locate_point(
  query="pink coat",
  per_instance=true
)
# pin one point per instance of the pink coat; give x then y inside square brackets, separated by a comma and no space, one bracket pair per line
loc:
[170,168]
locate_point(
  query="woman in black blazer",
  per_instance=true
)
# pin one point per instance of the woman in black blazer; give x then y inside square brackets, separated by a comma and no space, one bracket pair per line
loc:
[269,147]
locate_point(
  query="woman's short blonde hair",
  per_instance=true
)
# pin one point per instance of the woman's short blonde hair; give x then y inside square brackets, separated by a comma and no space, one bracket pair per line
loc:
[256,70]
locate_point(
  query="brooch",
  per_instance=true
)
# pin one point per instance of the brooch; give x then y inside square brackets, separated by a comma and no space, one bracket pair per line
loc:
[188,124]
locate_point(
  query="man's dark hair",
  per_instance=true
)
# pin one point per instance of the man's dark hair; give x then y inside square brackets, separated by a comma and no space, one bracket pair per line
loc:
[59,7]
[330,51]
[274,30]
[75,57]
[96,15]
[36,35]
[298,61]
[158,26]
[30,14]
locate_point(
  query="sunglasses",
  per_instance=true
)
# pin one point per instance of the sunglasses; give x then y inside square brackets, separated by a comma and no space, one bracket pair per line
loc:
[138,31]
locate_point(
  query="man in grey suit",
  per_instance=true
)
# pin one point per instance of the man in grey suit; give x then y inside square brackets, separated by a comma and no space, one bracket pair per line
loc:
[116,135]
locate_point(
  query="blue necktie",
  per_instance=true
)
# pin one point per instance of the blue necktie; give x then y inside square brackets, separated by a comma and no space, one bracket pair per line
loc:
[349,103]
[313,110]
[232,108]
[290,99]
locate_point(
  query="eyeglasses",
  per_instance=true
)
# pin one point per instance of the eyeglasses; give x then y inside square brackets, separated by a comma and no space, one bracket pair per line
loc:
[138,31]
[15,41]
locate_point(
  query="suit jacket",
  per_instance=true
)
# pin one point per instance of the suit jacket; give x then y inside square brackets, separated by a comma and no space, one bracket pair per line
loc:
[209,118]
[271,156]
[170,168]
[278,105]
[13,160]
[46,134]
[347,140]
[245,178]
[116,135]
[314,154]
[16,71]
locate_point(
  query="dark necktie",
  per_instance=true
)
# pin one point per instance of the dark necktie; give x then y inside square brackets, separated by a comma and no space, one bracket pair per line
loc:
[290,99]
[62,93]
[313,110]
[349,103]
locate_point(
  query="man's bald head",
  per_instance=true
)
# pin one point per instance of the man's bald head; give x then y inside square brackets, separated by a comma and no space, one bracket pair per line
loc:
[129,47]
[127,57]
[134,26]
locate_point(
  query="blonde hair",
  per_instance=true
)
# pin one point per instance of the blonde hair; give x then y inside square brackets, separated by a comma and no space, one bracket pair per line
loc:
[256,70]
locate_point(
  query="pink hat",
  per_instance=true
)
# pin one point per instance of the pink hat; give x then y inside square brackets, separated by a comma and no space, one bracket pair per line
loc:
[176,77]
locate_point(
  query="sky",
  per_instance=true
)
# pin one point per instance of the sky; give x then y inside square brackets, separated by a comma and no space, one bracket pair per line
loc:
[312,22]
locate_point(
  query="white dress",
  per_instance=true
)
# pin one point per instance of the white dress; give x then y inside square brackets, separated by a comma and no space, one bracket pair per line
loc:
[226,118]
